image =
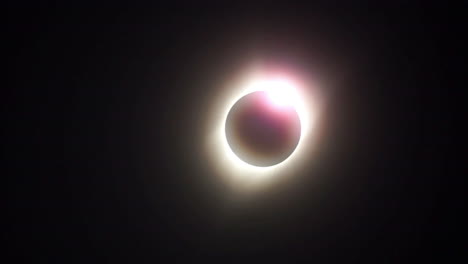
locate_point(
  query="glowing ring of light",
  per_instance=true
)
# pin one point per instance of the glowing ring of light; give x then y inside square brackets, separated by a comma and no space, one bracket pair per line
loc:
[280,96]
[229,164]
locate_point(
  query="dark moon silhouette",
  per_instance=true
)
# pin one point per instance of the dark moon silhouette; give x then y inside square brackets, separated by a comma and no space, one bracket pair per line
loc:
[261,132]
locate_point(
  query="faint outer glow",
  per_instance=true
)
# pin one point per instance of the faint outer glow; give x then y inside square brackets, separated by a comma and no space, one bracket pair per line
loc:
[281,91]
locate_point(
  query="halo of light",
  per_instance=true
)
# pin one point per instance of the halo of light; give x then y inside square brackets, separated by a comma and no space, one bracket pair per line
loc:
[282,90]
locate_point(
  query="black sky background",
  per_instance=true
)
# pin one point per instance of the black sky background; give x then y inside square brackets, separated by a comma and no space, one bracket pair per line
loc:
[106,124]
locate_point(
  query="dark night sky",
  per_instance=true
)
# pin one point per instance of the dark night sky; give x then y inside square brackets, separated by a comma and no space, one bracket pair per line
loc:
[106,120]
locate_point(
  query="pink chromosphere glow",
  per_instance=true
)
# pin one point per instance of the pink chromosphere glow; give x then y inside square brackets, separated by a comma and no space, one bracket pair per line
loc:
[261,131]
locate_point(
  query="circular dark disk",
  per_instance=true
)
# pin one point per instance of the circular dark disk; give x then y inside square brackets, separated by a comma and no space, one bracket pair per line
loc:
[261,132]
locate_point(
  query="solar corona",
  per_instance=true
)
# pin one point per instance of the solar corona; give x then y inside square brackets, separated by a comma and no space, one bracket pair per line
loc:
[261,128]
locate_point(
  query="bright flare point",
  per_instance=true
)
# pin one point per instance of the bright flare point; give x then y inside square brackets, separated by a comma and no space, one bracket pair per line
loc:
[281,93]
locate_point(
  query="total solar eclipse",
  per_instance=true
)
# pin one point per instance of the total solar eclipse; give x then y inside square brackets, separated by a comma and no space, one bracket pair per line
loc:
[260,128]
[263,128]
